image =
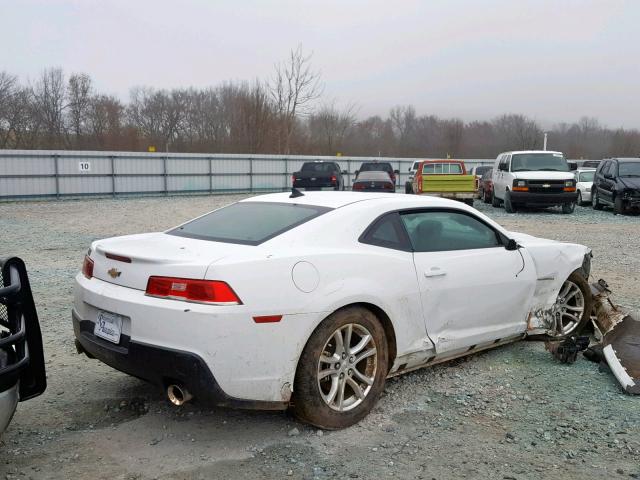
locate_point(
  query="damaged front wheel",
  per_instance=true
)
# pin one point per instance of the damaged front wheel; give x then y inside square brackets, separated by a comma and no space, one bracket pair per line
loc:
[572,309]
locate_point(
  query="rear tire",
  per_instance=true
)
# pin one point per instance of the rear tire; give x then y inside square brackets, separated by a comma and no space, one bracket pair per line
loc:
[580,201]
[595,200]
[495,202]
[469,201]
[408,188]
[508,205]
[331,371]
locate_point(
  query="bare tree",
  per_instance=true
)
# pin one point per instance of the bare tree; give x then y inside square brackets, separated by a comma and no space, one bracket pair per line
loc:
[105,122]
[330,126]
[157,114]
[50,101]
[79,97]
[293,89]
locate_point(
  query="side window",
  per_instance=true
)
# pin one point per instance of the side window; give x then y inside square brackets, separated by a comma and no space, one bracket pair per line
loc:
[428,168]
[441,231]
[503,163]
[386,232]
[455,168]
[605,167]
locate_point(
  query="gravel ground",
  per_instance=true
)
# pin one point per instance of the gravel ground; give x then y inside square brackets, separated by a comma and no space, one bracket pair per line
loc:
[511,413]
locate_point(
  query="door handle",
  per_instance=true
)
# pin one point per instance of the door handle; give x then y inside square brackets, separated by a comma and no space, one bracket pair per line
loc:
[435,272]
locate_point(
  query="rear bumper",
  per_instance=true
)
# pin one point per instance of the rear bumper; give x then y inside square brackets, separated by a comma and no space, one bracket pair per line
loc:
[452,195]
[318,186]
[161,366]
[543,198]
[251,362]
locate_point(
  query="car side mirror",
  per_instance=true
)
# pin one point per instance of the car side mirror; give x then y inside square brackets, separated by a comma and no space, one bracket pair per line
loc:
[409,169]
[608,176]
[511,245]
[573,166]
[397,172]
[357,172]
[344,172]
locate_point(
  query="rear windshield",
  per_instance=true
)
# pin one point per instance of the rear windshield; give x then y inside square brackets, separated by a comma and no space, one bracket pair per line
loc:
[248,223]
[629,169]
[319,167]
[376,167]
[553,162]
[586,176]
[482,170]
[436,168]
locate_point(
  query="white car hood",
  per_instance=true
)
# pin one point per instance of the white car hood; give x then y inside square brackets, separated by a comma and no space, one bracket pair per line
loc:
[543,175]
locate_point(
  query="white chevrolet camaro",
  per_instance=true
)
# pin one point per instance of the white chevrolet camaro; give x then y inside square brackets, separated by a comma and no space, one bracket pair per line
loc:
[312,301]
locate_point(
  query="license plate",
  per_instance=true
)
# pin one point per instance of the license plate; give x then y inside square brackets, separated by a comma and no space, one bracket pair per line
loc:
[108,326]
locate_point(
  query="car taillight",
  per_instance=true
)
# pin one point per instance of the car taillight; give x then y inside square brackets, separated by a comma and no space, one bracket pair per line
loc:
[293,179]
[188,289]
[388,186]
[87,267]
[419,181]
[334,179]
[358,186]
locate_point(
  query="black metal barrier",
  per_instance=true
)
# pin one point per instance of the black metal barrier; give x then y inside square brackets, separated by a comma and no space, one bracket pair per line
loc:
[20,337]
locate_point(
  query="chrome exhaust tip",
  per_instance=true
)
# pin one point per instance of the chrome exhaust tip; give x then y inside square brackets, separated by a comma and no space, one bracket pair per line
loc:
[178,395]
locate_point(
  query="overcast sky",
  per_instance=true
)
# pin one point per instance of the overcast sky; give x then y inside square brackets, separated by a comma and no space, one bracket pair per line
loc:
[553,60]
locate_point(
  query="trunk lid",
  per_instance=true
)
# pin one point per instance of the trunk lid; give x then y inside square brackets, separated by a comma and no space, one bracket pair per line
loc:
[155,254]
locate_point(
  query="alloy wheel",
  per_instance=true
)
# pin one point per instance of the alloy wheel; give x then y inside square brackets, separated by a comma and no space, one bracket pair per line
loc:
[347,367]
[570,307]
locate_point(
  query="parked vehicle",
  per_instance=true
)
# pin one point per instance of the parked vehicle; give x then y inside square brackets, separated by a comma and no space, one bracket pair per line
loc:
[408,186]
[590,164]
[373,182]
[478,171]
[584,182]
[312,302]
[446,179]
[319,175]
[22,371]
[533,178]
[485,186]
[379,167]
[617,184]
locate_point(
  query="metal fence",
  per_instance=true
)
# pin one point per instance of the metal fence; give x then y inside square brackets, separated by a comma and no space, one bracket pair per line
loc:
[59,173]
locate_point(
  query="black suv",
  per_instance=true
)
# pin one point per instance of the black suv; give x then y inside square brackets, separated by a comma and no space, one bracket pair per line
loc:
[617,183]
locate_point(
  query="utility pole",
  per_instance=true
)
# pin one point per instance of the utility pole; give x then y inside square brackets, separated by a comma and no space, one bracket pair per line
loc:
[545,141]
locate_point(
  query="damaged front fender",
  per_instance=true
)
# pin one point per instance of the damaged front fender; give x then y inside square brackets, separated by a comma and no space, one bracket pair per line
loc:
[620,333]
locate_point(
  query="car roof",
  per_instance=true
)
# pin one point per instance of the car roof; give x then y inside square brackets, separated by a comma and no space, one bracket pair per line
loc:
[443,161]
[341,199]
[531,151]
[625,159]
[580,170]
[373,175]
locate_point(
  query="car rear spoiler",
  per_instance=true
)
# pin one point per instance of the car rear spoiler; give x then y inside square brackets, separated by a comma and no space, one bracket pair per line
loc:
[20,337]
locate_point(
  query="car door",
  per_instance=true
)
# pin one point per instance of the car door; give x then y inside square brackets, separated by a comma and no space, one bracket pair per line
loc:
[473,290]
[608,182]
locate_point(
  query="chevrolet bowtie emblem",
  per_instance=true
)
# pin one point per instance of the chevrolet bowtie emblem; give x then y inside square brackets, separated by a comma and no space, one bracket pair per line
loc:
[546,185]
[114,272]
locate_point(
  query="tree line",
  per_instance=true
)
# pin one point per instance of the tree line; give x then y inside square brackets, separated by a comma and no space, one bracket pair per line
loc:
[285,114]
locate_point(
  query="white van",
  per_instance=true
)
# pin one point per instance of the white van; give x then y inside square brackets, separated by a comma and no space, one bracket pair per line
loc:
[533,177]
